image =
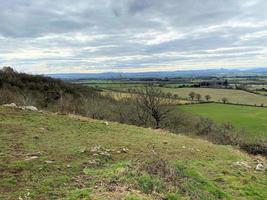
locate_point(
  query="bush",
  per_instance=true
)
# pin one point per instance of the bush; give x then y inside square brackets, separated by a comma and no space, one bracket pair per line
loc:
[255,148]
[219,134]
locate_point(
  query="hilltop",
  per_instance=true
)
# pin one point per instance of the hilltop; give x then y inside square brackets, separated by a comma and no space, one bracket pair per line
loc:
[50,156]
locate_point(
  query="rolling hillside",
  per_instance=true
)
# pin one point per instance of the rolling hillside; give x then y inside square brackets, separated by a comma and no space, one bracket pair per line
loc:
[49,156]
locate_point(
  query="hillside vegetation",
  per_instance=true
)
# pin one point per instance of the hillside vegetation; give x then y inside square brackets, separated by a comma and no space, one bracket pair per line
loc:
[49,156]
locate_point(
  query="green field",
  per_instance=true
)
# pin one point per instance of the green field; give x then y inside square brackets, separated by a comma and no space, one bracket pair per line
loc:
[252,119]
[233,96]
[49,156]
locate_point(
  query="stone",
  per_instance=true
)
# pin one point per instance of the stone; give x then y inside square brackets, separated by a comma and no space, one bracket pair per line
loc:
[124,150]
[106,123]
[259,167]
[31,108]
[12,105]
[242,164]
[95,149]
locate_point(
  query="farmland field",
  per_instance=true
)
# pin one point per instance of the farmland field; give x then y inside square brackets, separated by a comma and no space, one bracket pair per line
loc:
[233,96]
[252,119]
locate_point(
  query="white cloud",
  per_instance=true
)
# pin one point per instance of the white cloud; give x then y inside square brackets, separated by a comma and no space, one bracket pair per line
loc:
[132,35]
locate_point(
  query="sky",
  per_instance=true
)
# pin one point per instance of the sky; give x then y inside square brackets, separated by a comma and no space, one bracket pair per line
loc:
[89,36]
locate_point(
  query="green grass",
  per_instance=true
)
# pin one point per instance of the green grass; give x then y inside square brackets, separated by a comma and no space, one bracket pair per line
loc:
[204,170]
[233,96]
[252,119]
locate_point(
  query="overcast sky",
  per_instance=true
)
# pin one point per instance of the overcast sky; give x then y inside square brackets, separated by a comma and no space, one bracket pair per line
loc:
[54,36]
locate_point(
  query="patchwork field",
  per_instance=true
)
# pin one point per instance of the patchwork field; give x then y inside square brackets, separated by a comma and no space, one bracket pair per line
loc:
[252,119]
[49,156]
[233,96]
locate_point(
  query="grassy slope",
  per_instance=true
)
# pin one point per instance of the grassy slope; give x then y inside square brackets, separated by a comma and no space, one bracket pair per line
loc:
[206,170]
[234,96]
[252,119]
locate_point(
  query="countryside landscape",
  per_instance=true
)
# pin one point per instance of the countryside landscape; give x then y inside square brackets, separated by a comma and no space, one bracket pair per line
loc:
[133,100]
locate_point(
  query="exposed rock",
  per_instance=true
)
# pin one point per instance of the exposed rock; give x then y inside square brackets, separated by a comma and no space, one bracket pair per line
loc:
[12,105]
[124,150]
[259,167]
[68,166]
[95,149]
[106,123]
[31,108]
[104,153]
[242,164]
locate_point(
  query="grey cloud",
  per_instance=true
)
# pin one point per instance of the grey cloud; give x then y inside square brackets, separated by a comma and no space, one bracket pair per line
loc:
[130,33]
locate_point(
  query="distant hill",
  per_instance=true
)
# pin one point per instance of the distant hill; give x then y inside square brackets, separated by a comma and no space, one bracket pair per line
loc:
[161,74]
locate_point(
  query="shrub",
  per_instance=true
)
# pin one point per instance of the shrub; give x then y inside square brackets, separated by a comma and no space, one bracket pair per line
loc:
[255,148]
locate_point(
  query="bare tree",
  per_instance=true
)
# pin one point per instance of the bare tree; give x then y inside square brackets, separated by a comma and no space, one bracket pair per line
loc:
[207,97]
[198,96]
[192,95]
[152,102]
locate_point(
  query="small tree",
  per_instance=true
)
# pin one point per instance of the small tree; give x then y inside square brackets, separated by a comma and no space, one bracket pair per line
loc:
[207,97]
[198,96]
[151,101]
[175,96]
[192,95]
[224,100]
[168,95]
